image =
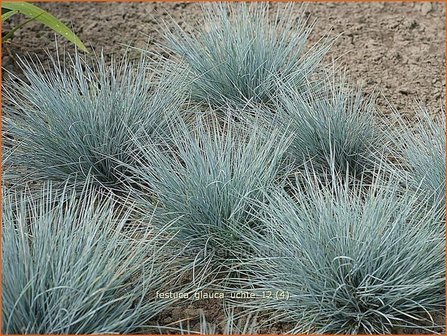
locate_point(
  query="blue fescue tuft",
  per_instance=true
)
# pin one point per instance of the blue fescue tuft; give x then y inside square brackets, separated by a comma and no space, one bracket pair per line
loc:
[333,128]
[75,120]
[349,259]
[240,50]
[72,264]
[418,153]
[208,176]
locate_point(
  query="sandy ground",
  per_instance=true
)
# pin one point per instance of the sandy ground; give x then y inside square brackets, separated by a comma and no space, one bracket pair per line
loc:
[397,49]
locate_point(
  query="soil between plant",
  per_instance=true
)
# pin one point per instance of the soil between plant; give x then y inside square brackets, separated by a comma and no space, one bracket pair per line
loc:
[395,48]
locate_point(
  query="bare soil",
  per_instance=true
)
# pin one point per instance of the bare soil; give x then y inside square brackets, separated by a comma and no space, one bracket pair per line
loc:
[395,48]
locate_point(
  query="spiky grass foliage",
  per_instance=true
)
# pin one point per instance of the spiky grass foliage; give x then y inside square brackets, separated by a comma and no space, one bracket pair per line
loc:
[72,266]
[241,49]
[333,128]
[419,152]
[349,259]
[76,119]
[9,173]
[231,325]
[208,175]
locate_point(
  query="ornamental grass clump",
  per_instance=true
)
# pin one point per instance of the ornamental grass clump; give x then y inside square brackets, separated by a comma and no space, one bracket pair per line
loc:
[419,153]
[75,119]
[240,50]
[350,259]
[73,266]
[332,129]
[208,176]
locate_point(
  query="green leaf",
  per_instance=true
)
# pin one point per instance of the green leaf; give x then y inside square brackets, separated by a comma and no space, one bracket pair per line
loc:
[7,36]
[46,18]
[6,14]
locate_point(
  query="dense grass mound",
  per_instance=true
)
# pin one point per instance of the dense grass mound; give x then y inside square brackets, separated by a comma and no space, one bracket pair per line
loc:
[72,266]
[240,51]
[332,128]
[350,260]
[208,176]
[420,154]
[76,120]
